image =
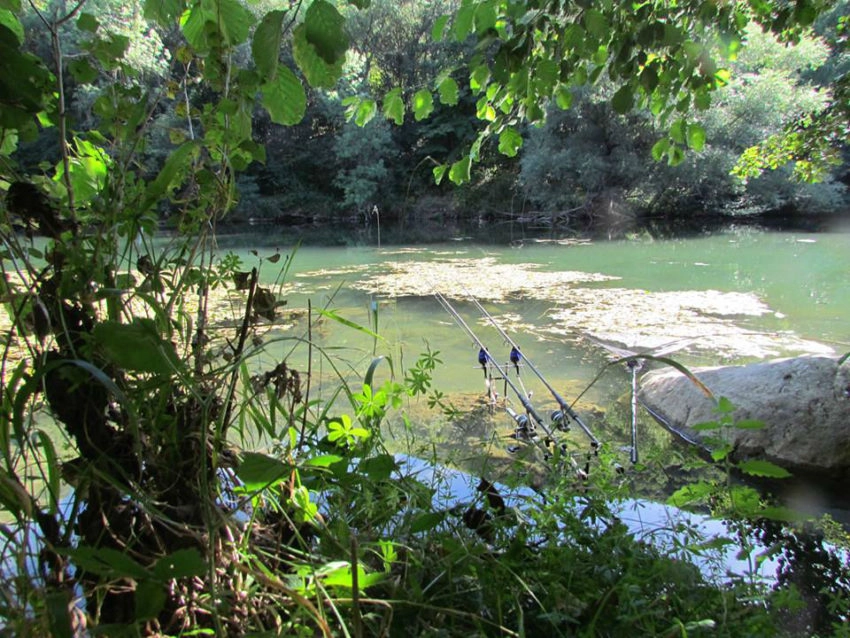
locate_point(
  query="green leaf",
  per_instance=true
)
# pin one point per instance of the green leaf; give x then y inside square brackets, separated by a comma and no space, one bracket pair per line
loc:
[232,19]
[448,90]
[463,21]
[759,467]
[659,149]
[724,406]
[324,30]
[423,104]
[677,131]
[438,31]
[690,494]
[623,100]
[325,460]
[393,107]
[365,111]
[696,137]
[171,175]
[749,424]
[378,468]
[510,142]
[11,5]
[331,314]
[284,97]
[183,563]
[137,346]
[563,97]
[426,521]
[259,471]
[150,599]
[11,22]
[439,172]
[596,23]
[485,16]
[108,562]
[265,47]
[319,73]
[460,170]
[83,71]
[164,12]
[87,22]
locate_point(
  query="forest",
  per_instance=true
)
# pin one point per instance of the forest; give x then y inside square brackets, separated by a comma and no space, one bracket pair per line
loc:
[160,476]
[341,161]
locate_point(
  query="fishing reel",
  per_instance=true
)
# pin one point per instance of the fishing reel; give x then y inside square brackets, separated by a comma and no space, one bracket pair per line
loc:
[560,420]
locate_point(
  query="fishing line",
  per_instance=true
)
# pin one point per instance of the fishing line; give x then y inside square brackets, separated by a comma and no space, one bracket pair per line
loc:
[517,356]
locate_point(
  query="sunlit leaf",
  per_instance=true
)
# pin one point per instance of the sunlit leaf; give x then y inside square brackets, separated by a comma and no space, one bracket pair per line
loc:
[696,137]
[393,108]
[438,31]
[423,104]
[510,142]
[439,172]
[460,170]
[319,72]
[448,91]
[563,97]
[284,97]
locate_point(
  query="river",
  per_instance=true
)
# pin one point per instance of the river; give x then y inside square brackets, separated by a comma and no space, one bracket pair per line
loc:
[732,296]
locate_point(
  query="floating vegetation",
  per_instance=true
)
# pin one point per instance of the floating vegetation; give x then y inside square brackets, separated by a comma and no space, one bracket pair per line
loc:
[483,278]
[710,319]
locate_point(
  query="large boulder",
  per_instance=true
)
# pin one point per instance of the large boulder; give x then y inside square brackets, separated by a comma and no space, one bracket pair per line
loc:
[804,403]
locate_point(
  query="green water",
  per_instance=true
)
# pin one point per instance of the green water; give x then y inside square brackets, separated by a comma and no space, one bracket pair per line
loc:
[725,298]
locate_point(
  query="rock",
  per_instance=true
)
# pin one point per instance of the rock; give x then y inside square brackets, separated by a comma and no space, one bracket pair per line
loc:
[804,403]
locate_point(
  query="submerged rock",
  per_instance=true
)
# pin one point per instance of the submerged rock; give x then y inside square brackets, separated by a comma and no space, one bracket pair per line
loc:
[804,403]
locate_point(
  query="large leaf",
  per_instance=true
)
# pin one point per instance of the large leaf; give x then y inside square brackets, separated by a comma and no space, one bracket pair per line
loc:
[137,346]
[265,47]
[448,90]
[696,136]
[393,107]
[284,97]
[460,170]
[233,20]
[324,30]
[171,175]
[259,471]
[423,104]
[319,73]
[510,142]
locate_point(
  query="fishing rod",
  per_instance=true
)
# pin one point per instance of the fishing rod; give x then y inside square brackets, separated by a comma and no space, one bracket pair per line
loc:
[634,365]
[520,419]
[484,358]
[516,356]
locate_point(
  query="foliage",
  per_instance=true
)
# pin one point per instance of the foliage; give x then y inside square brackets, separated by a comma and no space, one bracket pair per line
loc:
[123,386]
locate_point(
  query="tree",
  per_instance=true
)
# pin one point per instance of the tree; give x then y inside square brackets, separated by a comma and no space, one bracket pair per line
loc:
[662,57]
